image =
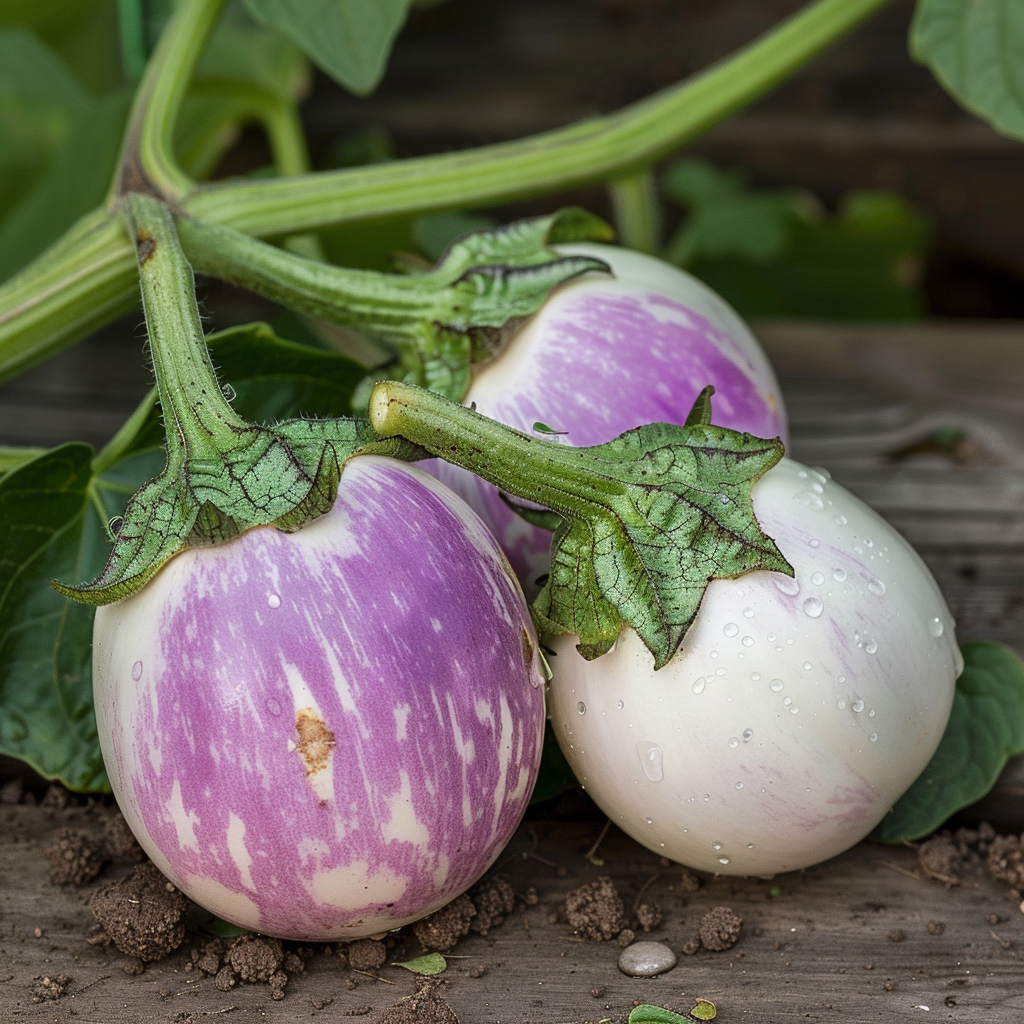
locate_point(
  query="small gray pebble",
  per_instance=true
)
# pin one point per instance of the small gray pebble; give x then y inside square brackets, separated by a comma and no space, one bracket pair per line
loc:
[645,959]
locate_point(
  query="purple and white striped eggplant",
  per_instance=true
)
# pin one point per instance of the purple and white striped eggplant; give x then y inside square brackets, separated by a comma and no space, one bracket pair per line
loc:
[606,354]
[330,733]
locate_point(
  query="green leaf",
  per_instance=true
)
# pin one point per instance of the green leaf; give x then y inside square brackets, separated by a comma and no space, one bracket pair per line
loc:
[275,379]
[245,53]
[216,926]
[431,963]
[436,231]
[58,148]
[647,1014]
[648,519]
[704,1009]
[39,103]
[772,252]
[74,182]
[82,33]
[975,48]
[555,776]
[53,523]
[349,39]
[726,219]
[49,526]
[676,514]
[986,728]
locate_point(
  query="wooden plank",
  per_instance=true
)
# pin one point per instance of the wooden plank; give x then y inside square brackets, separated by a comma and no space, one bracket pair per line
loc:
[815,945]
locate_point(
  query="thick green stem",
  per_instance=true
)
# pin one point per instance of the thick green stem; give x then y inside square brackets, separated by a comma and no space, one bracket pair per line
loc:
[88,283]
[198,419]
[637,218]
[73,289]
[595,150]
[544,472]
[385,306]
[147,162]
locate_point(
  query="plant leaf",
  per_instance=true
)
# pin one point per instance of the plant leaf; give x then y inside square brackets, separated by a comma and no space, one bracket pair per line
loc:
[430,963]
[53,523]
[554,776]
[773,252]
[976,50]
[986,728]
[648,1014]
[58,148]
[349,39]
[704,1009]
[39,102]
[49,527]
[676,513]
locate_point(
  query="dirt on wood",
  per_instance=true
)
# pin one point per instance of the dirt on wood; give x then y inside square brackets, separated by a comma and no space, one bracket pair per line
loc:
[934,924]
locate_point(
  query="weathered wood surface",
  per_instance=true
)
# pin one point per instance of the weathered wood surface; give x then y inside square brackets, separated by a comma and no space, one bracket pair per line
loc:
[826,946]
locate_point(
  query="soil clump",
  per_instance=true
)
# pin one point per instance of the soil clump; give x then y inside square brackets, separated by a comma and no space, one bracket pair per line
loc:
[426,1005]
[142,914]
[595,910]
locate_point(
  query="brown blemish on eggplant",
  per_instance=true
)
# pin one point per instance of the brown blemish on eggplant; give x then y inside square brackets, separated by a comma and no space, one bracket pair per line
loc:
[316,741]
[528,648]
[145,245]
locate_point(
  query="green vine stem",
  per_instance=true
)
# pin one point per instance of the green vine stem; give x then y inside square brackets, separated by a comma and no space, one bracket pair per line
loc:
[86,283]
[594,150]
[222,475]
[641,524]
[147,162]
[437,323]
[198,420]
[636,214]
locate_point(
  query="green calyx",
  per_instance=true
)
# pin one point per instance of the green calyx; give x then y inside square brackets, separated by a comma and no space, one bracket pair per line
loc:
[645,521]
[222,475]
[438,323]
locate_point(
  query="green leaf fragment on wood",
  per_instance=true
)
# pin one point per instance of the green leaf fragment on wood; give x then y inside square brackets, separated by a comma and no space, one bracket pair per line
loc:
[430,963]
[704,1009]
[976,50]
[648,1014]
[985,729]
